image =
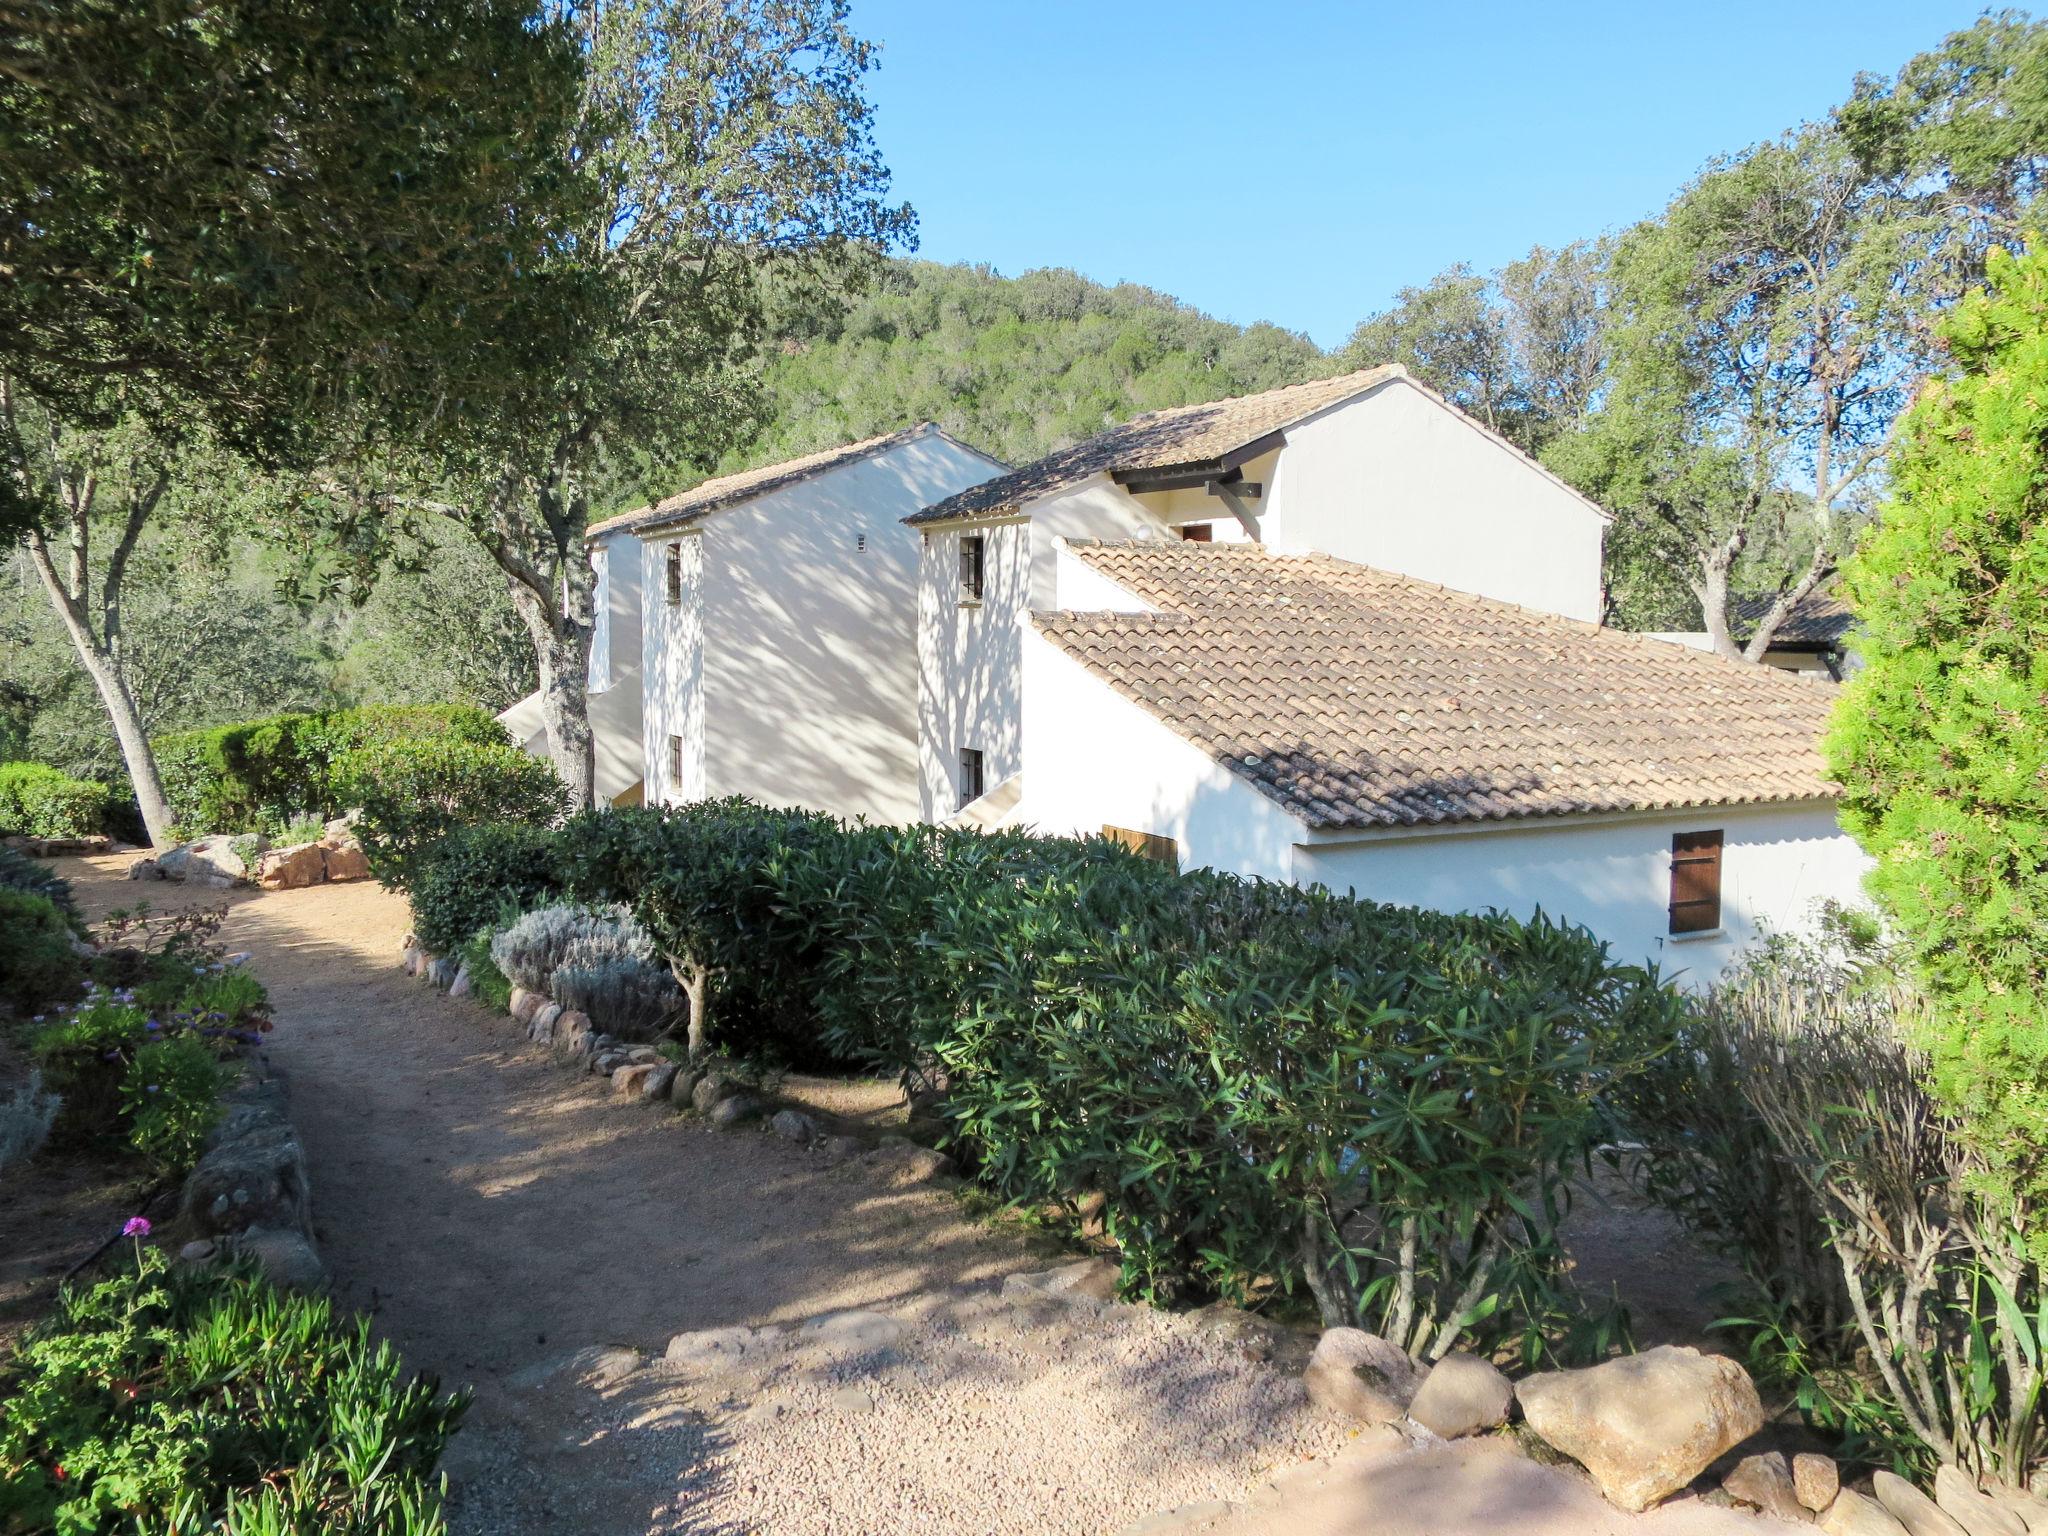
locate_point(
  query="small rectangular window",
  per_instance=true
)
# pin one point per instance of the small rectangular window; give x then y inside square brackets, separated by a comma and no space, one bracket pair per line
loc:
[1198,533]
[1161,850]
[971,548]
[673,565]
[1695,882]
[675,763]
[970,775]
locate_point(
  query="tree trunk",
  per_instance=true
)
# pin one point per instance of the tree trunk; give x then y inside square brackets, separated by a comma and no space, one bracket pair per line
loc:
[110,678]
[1712,591]
[561,649]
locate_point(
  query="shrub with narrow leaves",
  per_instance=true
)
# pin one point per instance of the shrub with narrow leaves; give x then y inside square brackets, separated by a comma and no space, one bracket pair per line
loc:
[530,949]
[627,996]
[26,1115]
[19,872]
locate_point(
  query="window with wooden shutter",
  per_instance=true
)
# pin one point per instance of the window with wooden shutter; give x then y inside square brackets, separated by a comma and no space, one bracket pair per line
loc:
[672,562]
[970,775]
[1695,882]
[675,764]
[1161,850]
[972,547]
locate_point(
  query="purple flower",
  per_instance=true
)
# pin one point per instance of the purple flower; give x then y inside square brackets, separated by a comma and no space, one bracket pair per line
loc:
[136,1226]
[152,1024]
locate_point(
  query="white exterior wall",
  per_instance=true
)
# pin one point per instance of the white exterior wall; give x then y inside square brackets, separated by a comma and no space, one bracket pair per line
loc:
[970,655]
[790,670]
[1094,759]
[672,669]
[1398,480]
[1614,876]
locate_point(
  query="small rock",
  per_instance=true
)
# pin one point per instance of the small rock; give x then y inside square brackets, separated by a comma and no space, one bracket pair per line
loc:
[1358,1375]
[1462,1395]
[644,1055]
[903,1163]
[1091,1282]
[546,1020]
[852,1331]
[710,1088]
[1975,1512]
[145,869]
[459,987]
[288,1260]
[1765,1481]
[444,971]
[794,1125]
[737,1110]
[604,1062]
[1851,1514]
[1250,1335]
[838,1148]
[1919,1514]
[660,1081]
[682,1093]
[631,1079]
[716,1346]
[571,1021]
[198,1251]
[853,1400]
[524,1004]
[2031,1508]
[1816,1480]
[1644,1425]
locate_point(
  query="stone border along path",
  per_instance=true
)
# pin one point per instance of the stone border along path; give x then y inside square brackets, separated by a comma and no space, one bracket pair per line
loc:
[675,1329]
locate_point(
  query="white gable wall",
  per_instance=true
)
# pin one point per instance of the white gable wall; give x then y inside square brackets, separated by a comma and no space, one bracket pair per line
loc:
[672,669]
[1398,480]
[790,671]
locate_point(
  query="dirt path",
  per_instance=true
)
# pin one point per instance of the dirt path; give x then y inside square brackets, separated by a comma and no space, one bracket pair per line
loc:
[511,1226]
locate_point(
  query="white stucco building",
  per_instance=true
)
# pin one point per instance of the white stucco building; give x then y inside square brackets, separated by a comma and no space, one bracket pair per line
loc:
[770,627]
[1341,634]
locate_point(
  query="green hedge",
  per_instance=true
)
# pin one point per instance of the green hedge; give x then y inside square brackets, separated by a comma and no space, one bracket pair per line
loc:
[412,794]
[37,800]
[39,965]
[198,1398]
[261,775]
[1266,1084]
[478,876]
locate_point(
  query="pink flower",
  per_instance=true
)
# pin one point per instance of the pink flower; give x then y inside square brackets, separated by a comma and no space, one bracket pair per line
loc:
[137,1226]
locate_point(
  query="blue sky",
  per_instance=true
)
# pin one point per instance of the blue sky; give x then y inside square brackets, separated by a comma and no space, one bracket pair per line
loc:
[1300,162]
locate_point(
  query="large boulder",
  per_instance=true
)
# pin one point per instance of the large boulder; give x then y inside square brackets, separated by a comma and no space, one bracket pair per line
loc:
[1919,1514]
[1644,1425]
[1358,1375]
[286,1256]
[291,869]
[1851,1514]
[345,861]
[253,1176]
[215,861]
[1462,1395]
[1974,1511]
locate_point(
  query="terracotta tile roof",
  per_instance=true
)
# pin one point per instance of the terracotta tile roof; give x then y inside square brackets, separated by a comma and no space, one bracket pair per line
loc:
[746,484]
[1357,698]
[1819,618]
[1185,434]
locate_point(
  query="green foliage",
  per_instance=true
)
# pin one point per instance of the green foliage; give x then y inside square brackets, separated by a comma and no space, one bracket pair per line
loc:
[623,993]
[38,964]
[1794,1129]
[1941,739]
[170,1097]
[479,877]
[199,1398]
[37,801]
[531,948]
[487,984]
[413,793]
[1265,1083]
[19,872]
[1017,366]
[261,775]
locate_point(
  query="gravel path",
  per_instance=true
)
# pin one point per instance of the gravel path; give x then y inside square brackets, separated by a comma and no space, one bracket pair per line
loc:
[512,1227]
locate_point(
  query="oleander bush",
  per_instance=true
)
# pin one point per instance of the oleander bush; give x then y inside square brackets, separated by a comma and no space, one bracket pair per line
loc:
[37,800]
[413,793]
[264,775]
[1268,1085]
[40,966]
[479,878]
[19,872]
[1887,1288]
[198,1398]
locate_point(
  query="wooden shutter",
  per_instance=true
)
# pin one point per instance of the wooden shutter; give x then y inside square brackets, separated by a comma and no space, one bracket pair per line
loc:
[1695,882]
[1198,533]
[672,562]
[675,764]
[970,775]
[1161,850]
